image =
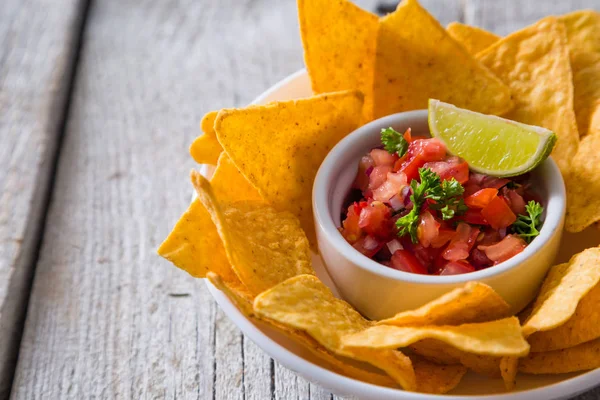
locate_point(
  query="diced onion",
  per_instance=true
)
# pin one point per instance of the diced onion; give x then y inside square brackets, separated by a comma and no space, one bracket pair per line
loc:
[370,243]
[394,245]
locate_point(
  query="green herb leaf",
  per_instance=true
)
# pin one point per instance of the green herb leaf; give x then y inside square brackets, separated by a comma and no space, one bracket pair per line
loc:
[394,141]
[528,226]
[449,199]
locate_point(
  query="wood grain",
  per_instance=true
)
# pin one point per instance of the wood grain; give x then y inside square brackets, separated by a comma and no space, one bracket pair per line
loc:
[37,47]
[107,317]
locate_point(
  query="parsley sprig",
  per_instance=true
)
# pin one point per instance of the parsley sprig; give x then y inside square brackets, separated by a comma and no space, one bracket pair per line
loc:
[393,141]
[528,226]
[446,194]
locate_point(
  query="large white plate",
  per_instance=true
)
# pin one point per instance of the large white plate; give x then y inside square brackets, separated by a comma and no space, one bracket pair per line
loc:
[294,357]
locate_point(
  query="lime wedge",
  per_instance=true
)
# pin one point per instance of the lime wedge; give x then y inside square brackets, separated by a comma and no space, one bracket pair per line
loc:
[490,144]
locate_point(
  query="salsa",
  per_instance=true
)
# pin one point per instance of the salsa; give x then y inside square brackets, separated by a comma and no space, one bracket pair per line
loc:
[415,208]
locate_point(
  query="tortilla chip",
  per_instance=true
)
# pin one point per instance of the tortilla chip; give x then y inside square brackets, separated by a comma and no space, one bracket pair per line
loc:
[280,146]
[496,338]
[475,302]
[243,301]
[583,39]
[474,39]
[417,60]
[583,186]
[230,185]
[508,370]
[195,246]
[582,327]
[205,149]
[263,246]
[534,62]
[339,40]
[579,358]
[441,353]
[305,303]
[434,378]
[564,287]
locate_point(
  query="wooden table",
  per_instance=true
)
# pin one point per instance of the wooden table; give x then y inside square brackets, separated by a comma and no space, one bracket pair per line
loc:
[99,101]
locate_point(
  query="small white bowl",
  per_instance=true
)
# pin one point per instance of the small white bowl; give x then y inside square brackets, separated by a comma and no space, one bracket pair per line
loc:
[378,291]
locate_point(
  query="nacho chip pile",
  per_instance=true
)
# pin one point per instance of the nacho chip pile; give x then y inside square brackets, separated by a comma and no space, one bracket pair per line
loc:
[250,230]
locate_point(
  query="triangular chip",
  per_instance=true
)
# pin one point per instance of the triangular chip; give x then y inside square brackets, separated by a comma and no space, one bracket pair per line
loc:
[474,39]
[243,301]
[205,149]
[582,327]
[279,147]
[417,60]
[339,40]
[194,245]
[229,184]
[579,358]
[583,185]
[434,378]
[534,62]
[583,38]
[475,302]
[263,246]
[496,338]
[305,303]
[562,290]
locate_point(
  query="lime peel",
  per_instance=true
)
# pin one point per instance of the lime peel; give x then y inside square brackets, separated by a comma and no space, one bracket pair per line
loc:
[489,144]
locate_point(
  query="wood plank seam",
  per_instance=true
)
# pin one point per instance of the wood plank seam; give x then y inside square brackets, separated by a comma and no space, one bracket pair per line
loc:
[26,262]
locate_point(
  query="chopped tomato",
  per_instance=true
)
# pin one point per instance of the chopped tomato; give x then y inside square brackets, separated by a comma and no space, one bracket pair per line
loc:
[473,216]
[498,213]
[516,202]
[495,183]
[404,260]
[459,246]
[428,228]
[481,198]
[508,247]
[368,246]
[378,176]
[450,169]
[408,135]
[391,187]
[457,267]
[375,220]
[382,157]
[443,237]
[419,152]
[350,229]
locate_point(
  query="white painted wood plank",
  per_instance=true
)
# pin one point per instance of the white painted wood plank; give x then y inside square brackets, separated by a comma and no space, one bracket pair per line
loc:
[37,48]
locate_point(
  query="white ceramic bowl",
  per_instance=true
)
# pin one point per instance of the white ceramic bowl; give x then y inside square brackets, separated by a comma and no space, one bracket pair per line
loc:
[289,354]
[380,292]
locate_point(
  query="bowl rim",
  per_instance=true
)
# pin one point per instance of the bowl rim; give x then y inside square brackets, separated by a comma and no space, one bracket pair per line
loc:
[555,211]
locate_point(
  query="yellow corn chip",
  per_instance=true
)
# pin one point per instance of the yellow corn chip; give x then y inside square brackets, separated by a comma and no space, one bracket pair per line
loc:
[582,327]
[473,38]
[579,358]
[441,353]
[496,338]
[205,149]
[243,301]
[534,62]
[583,186]
[305,303]
[563,288]
[475,302]
[417,60]
[434,378]
[263,246]
[280,146]
[508,371]
[339,41]
[195,246]
[583,38]
[229,184]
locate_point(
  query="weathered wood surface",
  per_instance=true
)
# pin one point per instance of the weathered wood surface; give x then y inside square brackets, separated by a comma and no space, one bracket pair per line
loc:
[107,318]
[37,45]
